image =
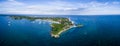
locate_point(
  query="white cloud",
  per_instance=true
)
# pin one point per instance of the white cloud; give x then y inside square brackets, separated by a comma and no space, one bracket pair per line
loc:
[12,2]
[116,2]
[59,7]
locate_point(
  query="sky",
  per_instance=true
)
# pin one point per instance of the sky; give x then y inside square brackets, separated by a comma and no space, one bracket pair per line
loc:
[60,7]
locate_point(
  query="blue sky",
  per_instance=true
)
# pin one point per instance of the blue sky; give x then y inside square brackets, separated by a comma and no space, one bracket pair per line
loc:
[60,7]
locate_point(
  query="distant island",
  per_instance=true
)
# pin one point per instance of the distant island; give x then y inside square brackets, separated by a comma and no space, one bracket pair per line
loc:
[58,24]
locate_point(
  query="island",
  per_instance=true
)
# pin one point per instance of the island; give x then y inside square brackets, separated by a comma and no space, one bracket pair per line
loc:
[58,24]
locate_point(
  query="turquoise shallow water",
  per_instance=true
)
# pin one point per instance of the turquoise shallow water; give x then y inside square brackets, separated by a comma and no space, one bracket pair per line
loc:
[97,31]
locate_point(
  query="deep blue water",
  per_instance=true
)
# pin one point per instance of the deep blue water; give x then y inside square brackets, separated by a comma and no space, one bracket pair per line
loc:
[97,31]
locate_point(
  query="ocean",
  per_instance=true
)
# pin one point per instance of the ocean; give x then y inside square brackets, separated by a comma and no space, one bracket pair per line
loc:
[97,30]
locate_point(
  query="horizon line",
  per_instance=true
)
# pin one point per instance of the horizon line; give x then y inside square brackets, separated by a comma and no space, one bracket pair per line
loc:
[62,14]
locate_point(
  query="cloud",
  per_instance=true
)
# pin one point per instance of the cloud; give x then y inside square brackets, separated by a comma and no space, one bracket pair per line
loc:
[60,7]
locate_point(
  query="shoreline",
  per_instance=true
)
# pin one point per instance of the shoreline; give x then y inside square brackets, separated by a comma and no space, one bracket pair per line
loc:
[58,35]
[59,25]
[48,21]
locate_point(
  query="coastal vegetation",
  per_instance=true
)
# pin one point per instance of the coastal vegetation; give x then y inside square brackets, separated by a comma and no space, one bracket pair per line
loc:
[58,25]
